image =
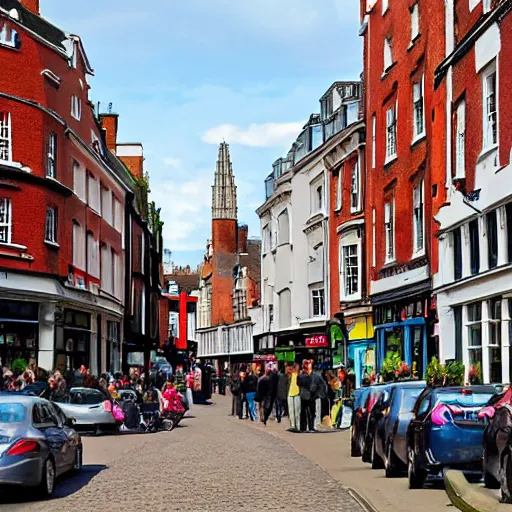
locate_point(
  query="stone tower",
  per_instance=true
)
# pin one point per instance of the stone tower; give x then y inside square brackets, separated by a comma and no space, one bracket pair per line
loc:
[224,238]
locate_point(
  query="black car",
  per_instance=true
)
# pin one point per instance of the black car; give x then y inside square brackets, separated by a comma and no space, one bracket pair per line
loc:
[497,461]
[446,431]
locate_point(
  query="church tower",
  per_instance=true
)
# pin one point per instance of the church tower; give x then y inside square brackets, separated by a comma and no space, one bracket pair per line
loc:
[224,238]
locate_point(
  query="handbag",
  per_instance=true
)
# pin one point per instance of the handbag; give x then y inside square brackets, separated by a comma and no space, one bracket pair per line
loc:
[118,413]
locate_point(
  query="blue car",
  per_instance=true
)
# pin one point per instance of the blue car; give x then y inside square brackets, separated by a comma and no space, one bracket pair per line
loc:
[446,431]
[391,431]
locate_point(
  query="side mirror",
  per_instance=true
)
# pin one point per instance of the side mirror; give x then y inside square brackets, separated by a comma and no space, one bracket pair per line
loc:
[70,422]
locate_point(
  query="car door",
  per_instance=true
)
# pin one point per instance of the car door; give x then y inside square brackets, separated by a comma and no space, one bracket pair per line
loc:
[70,433]
[415,426]
[420,430]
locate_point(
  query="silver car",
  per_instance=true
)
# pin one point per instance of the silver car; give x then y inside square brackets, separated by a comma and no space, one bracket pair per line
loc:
[87,406]
[37,443]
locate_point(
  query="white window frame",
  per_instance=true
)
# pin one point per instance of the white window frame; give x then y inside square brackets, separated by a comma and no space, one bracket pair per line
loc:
[93,256]
[350,240]
[76,107]
[283,235]
[6,220]
[339,189]
[385,6]
[317,293]
[51,161]
[106,205]
[418,106]
[93,193]
[415,22]
[265,236]
[118,214]
[469,326]
[355,188]
[317,201]
[5,137]
[50,227]
[389,231]
[388,54]
[79,181]
[418,218]
[391,130]
[490,117]
[460,141]
[79,256]
[374,141]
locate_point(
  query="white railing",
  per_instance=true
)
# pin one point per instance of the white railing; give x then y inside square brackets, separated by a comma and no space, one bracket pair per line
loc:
[225,340]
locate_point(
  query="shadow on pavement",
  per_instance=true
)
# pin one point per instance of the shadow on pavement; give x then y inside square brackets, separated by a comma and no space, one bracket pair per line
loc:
[66,485]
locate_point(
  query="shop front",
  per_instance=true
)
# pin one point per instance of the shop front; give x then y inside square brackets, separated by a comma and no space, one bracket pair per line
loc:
[73,340]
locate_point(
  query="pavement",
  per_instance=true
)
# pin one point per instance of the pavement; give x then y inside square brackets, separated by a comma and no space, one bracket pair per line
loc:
[211,462]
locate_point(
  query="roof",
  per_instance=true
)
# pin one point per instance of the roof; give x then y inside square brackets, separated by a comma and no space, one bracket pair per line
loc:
[37,24]
[252,260]
[186,282]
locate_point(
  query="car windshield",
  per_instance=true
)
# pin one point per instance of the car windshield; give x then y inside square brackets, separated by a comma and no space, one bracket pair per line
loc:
[89,397]
[12,413]
[464,399]
[409,399]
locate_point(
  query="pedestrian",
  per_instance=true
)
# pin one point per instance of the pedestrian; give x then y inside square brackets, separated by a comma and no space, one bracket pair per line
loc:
[307,403]
[242,405]
[235,393]
[282,394]
[293,397]
[249,388]
[318,394]
[264,395]
[189,381]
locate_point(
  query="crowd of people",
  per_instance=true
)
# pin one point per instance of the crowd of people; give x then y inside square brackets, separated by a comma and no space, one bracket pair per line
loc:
[310,396]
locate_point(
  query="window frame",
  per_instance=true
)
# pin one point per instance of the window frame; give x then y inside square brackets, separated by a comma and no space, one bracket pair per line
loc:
[415,22]
[374,141]
[391,132]
[51,157]
[6,135]
[355,188]
[350,240]
[79,172]
[7,223]
[474,247]
[339,190]
[51,225]
[458,271]
[280,230]
[460,140]
[489,116]
[389,231]
[76,107]
[418,208]
[93,193]
[320,297]
[78,246]
[492,235]
[388,54]
[418,105]
[93,256]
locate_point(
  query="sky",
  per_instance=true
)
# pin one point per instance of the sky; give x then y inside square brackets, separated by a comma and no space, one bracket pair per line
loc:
[183,76]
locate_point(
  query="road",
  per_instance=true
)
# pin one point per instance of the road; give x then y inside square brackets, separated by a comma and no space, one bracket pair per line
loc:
[212,462]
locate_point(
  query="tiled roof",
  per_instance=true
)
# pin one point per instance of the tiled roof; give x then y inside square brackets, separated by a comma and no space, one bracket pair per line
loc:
[186,282]
[36,23]
[252,260]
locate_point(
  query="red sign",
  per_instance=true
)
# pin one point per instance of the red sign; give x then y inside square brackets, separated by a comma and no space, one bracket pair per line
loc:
[317,341]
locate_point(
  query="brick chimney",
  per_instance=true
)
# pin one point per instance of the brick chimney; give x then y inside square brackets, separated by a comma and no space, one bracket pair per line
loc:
[243,232]
[109,124]
[132,155]
[31,5]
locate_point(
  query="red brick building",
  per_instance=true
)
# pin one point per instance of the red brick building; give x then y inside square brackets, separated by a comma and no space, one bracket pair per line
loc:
[403,45]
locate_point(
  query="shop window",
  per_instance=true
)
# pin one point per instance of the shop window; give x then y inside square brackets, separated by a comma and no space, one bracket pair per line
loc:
[5,137]
[51,161]
[457,321]
[492,238]
[474,247]
[494,306]
[394,341]
[457,253]
[113,337]
[5,220]
[417,350]
[474,327]
[74,345]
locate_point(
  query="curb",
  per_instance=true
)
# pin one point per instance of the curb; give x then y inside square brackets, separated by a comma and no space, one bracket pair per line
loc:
[363,502]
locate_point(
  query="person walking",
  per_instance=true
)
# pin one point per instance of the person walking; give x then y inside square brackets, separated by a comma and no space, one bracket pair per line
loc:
[294,405]
[264,396]
[249,388]
[282,394]
[318,394]
[307,403]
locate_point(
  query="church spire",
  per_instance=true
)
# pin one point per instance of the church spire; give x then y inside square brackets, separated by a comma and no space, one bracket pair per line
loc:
[224,188]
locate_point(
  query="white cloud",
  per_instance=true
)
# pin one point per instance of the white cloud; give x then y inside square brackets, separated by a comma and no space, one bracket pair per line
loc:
[170,161]
[256,135]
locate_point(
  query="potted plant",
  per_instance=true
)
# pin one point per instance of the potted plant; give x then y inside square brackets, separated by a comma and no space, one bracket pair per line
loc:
[390,366]
[403,372]
[435,373]
[454,374]
[475,374]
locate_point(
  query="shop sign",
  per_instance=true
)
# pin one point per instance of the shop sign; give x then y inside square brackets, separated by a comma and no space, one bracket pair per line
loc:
[317,341]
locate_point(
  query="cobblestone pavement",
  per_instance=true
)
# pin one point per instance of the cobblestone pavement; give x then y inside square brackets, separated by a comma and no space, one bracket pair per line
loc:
[211,463]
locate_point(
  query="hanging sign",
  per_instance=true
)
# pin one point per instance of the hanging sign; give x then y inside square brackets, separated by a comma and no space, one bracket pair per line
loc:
[317,341]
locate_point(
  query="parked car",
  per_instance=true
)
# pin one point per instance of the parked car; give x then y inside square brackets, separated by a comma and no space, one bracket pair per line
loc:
[37,443]
[497,460]
[358,427]
[379,411]
[391,431]
[446,431]
[35,389]
[89,409]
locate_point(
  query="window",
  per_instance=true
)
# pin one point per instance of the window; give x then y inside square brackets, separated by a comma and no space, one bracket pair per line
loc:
[93,193]
[285,308]
[388,54]
[385,6]
[457,322]
[418,105]
[318,303]
[457,253]
[374,236]
[93,256]
[283,223]
[492,238]
[418,216]
[374,141]
[474,247]
[494,306]
[79,181]
[78,246]
[5,221]
[339,189]
[319,198]
[142,251]
[5,137]
[415,22]
[475,333]
[352,112]
[391,133]
[76,107]
[116,275]
[355,205]
[460,141]
[106,270]
[490,125]
[270,315]
[350,268]
[50,231]
[106,205]
[389,227]
[508,214]
[266,239]
[118,215]
[51,162]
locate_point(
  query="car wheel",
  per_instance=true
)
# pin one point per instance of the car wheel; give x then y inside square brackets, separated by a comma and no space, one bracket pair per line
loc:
[366,451]
[47,485]
[77,466]
[377,462]
[355,449]
[506,479]
[391,465]
[168,424]
[416,475]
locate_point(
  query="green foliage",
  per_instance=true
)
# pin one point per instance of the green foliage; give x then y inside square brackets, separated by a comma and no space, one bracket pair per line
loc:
[454,374]
[19,366]
[475,374]
[439,375]
[391,365]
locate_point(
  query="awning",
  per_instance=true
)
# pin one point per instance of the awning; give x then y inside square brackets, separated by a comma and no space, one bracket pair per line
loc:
[402,293]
